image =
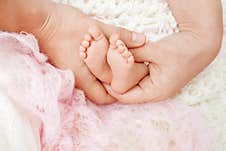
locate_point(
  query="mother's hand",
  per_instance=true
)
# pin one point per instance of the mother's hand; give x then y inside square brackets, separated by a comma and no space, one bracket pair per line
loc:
[60,39]
[176,59]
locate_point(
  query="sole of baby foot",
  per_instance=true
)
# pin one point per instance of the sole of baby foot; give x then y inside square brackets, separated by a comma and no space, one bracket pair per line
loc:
[126,73]
[93,50]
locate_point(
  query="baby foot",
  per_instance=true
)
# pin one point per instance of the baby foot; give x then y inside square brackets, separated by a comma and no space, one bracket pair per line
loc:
[126,73]
[93,50]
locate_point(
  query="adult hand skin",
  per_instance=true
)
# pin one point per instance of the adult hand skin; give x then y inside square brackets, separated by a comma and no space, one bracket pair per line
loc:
[178,58]
[59,30]
[66,28]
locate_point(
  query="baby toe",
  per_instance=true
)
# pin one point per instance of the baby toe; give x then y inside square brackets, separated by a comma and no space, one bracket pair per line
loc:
[130,60]
[87,37]
[120,43]
[85,44]
[83,55]
[126,54]
[113,39]
[121,49]
[95,33]
[83,49]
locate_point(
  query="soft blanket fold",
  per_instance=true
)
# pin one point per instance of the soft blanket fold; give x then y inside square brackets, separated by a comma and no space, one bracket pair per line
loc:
[62,120]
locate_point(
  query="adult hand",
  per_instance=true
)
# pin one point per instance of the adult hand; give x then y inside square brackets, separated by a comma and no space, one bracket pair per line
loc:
[176,59]
[60,38]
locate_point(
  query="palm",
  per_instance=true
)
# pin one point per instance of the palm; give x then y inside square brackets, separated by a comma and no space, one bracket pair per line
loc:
[60,40]
[176,59]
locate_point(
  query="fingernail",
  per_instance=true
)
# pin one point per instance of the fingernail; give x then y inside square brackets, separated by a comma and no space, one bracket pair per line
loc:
[138,38]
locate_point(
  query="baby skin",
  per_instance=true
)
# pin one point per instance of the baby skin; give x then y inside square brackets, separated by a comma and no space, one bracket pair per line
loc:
[111,61]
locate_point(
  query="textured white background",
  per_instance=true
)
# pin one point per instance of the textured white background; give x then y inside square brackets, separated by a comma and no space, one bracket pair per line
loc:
[207,92]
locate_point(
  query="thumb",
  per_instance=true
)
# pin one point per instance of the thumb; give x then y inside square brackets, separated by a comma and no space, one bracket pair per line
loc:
[165,49]
[131,39]
[144,53]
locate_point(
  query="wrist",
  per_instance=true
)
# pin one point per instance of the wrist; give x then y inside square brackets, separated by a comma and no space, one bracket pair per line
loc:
[56,23]
[38,17]
[24,15]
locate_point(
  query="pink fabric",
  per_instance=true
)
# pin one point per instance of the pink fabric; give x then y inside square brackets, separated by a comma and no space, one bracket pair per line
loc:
[67,122]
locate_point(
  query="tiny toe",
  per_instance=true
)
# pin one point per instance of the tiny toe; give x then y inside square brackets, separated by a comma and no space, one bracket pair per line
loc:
[83,55]
[120,43]
[96,33]
[85,44]
[121,46]
[83,49]
[121,49]
[87,37]
[130,59]
[113,40]
[126,54]
[112,46]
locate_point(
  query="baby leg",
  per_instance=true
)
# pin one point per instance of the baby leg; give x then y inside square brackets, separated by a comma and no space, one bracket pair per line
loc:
[93,50]
[126,72]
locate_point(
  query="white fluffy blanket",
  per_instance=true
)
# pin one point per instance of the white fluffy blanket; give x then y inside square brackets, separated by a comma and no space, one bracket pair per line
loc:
[161,127]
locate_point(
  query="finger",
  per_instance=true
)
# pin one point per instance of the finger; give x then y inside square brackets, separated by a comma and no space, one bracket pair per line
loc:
[92,87]
[144,53]
[160,51]
[131,39]
[134,96]
[146,91]
[153,51]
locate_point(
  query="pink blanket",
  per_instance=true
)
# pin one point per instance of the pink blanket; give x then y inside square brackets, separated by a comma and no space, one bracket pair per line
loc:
[67,122]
